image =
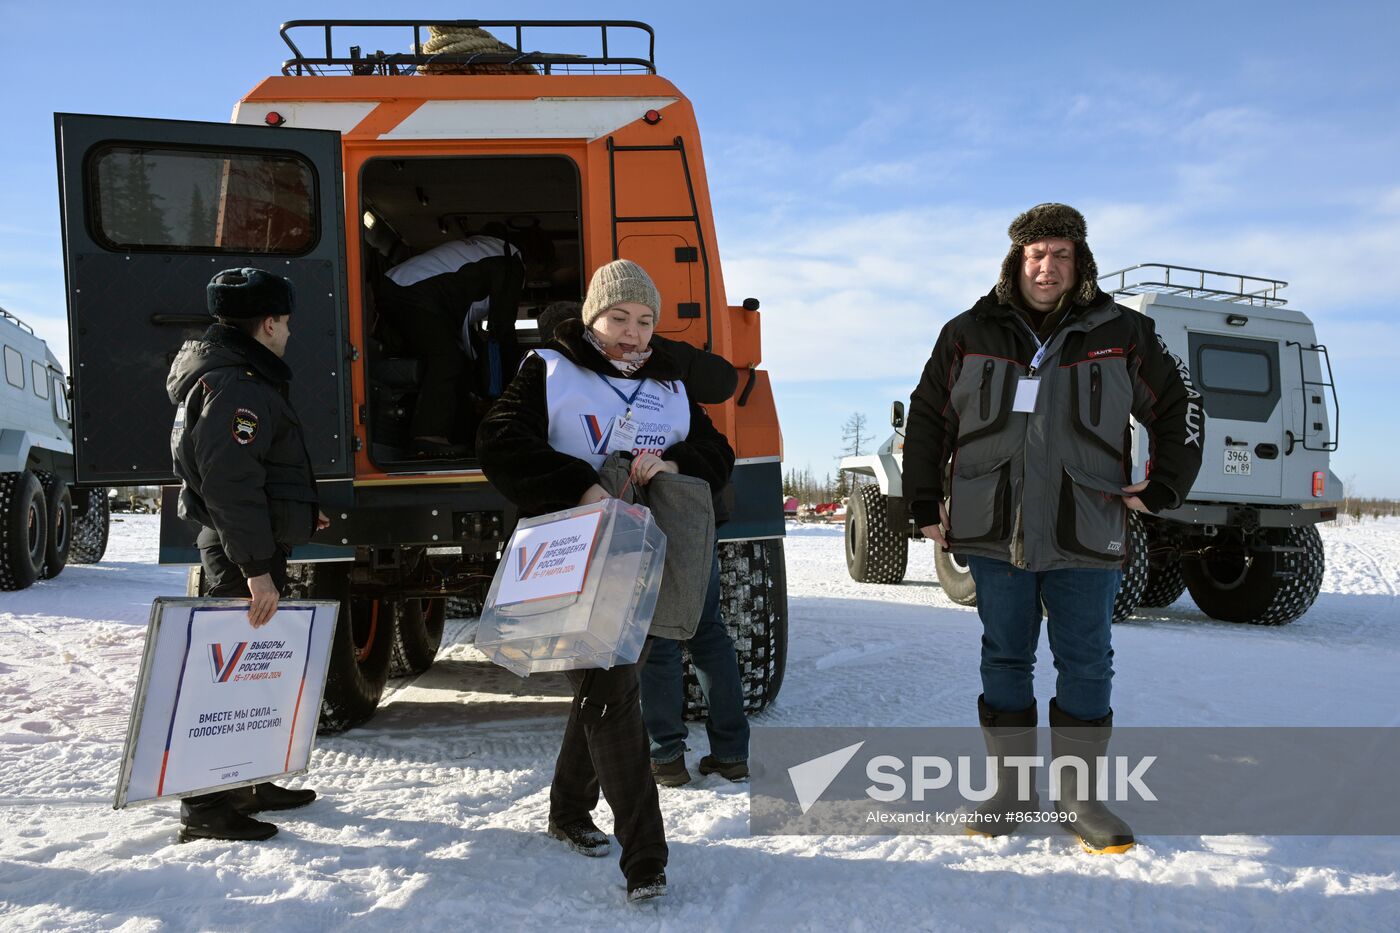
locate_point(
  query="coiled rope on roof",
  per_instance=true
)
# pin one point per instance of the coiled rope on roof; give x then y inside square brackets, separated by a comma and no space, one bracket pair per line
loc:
[465,41]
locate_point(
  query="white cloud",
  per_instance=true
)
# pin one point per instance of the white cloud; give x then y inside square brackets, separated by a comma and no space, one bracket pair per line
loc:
[864,297]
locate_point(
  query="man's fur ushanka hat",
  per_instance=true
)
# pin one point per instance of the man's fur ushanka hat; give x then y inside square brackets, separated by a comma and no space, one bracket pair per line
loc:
[1050,221]
[247,293]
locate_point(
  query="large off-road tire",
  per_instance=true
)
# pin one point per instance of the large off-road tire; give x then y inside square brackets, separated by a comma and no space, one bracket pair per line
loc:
[954,576]
[418,636]
[1165,582]
[89,535]
[876,551]
[59,502]
[464,607]
[1233,585]
[753,604]
[1135,570]
[363,645]
[24,529]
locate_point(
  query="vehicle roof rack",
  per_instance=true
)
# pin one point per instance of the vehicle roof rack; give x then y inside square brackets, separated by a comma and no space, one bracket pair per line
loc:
[1157,278]
[411,33]
[10,317]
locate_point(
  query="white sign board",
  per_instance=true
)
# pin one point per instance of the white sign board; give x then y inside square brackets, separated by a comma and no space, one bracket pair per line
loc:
[548,560]
[221,704]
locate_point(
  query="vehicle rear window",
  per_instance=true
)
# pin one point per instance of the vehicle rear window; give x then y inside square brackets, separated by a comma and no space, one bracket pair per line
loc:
[189,200]
[1248,372]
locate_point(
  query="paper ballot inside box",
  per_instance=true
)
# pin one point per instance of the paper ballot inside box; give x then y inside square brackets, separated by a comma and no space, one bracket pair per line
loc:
[574,589]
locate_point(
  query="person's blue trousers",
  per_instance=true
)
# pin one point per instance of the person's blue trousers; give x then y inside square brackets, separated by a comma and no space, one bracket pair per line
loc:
[1079,606]
[717,669]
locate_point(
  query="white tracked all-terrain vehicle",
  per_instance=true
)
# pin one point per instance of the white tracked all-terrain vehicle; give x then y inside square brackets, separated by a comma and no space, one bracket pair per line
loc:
[1245,541]
[44,521]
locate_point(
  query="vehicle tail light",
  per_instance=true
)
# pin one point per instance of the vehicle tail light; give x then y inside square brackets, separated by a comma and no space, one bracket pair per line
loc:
[1319,484]
[274,118]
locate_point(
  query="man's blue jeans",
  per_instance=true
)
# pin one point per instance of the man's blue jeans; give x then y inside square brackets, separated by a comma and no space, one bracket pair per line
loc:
[717,669]
[1079,605]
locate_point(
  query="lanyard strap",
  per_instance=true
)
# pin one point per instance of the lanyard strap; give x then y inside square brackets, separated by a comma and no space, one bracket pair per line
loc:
[1040,348]
[618,392]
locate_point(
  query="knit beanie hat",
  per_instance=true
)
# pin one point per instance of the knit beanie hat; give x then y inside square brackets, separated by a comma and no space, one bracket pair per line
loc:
[244,294]
[618,281]
[1050,221]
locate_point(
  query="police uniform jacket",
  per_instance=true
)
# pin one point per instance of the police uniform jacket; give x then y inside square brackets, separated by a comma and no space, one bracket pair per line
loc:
[238,448]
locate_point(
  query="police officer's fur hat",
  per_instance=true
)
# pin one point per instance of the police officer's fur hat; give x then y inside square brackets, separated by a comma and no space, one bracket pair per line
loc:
[244,294]
[1046,221]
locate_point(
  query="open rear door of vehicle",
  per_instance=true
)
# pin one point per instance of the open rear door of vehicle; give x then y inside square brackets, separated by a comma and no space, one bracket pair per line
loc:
[151,210]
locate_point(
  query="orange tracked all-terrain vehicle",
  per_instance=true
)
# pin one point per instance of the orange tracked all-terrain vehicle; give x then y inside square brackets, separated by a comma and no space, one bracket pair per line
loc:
[331,173]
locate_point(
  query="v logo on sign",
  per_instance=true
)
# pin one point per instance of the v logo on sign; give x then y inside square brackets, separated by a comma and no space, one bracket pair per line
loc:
[224,669]
[525,564]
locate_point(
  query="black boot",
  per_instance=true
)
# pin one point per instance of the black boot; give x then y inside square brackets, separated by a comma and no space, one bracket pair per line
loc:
[268,796]
[213,816]
[1007,735]
[583,837]
[645,880]
[1099,829]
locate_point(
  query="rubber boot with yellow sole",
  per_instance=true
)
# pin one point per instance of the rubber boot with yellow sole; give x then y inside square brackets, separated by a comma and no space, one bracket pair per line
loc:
[1099,829]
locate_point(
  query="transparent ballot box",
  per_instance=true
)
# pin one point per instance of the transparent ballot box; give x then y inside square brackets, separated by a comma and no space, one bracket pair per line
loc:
[574,589]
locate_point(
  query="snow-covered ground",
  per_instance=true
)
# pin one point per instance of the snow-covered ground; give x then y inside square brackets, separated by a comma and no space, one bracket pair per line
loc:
[433,815]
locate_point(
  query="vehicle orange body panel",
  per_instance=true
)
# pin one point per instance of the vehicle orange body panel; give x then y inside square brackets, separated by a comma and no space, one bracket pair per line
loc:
[647,184]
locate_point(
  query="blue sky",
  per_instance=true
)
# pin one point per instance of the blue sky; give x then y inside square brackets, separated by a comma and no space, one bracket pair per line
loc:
[864,167]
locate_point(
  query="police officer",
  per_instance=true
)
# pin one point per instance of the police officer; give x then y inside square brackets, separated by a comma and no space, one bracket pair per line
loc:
[247,480]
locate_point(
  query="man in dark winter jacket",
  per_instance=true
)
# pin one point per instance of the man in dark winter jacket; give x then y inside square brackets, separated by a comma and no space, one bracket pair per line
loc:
[1029,394]
[247,480]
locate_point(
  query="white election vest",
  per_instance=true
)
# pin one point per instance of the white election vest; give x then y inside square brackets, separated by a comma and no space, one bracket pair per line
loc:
[587,410]
[448,258]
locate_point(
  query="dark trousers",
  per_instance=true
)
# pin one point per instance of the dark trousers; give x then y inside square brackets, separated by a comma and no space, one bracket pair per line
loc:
[432,337]
[610,753]
[223,579]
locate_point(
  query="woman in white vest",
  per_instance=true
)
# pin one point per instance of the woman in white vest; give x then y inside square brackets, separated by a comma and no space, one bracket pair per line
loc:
[599,388]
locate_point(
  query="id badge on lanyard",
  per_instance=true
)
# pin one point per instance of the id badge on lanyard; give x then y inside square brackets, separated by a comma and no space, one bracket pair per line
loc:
[624,434]
[1028,386]
[624,430]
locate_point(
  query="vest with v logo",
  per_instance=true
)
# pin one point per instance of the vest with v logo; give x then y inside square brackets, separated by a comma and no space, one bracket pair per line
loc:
[584,407]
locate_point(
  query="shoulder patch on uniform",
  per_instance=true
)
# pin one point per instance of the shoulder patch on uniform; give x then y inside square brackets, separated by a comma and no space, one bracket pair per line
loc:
[245,426]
